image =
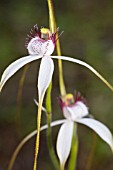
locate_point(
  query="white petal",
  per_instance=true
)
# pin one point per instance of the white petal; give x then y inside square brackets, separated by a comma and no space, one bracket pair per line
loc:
[99,128]
[15,66]
[48,48]
[85,65]
[40,47]
[64,141]
[45,75]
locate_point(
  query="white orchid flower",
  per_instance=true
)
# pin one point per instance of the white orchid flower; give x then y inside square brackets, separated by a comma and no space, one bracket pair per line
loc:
[75,110]
[40,45]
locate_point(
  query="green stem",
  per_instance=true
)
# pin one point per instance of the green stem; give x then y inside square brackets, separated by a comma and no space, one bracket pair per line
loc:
[23,142]
[49,131]
[50,145]
[51,16]
[53,27]
[74,150]
[48,97]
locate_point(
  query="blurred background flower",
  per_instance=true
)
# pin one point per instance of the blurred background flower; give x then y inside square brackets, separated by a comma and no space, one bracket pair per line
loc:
[88,35]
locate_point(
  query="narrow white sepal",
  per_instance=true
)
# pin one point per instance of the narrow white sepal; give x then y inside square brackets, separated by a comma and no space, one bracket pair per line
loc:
[29,136]
[87,66]
[15,66]
[45,75]
[99,128]
[64,141]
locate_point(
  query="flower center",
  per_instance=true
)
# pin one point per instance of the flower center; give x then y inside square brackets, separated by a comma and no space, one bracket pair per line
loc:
[41,41]
[73,106]
[45,33]
[68,99]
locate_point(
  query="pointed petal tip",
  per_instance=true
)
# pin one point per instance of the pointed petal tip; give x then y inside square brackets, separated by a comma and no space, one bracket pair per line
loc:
[112,145]
[1,86]
[112,150]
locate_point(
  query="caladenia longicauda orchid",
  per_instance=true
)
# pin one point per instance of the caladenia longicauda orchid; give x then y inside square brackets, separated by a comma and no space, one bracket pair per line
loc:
[75,111]
[40,45]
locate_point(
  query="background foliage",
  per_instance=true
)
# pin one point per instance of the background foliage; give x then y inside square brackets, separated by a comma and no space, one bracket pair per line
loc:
[88,35]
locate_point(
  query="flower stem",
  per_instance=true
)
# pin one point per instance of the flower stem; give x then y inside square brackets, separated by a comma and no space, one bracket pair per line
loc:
[53,28]
[61,80]
[50,146]
[38,133]
[26,139]
[51,16]
[49,131]
[52,24]
[48,99]
[74,150]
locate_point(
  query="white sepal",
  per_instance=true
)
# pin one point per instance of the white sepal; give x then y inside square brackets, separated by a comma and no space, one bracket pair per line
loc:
[87,66]
[64,141]
[15,66]
[99,128]
[28,137]
[45,75]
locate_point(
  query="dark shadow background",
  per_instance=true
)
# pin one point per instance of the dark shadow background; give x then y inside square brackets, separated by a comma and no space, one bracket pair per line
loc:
[88,35]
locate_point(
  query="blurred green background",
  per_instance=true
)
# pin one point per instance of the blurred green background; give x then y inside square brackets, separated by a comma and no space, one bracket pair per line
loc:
[88,35]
